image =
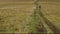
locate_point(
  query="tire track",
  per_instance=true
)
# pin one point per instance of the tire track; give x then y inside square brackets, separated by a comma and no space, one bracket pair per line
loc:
[50,25]
[41,28]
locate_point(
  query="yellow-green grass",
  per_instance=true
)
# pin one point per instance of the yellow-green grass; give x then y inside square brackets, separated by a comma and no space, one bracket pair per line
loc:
[51,11]
[50,0]
[15,16]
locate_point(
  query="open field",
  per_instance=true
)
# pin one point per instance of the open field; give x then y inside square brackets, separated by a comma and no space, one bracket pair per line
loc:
[18,16]
[15,16]
[50,0]
[51,10]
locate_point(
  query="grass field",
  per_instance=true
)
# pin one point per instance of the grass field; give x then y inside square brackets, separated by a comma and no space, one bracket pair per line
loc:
[51,10]
[15,16]
[18,16]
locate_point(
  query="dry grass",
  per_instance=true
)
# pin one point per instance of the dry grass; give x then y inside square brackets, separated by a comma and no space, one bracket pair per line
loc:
[15,16]
[52,12]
